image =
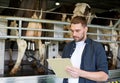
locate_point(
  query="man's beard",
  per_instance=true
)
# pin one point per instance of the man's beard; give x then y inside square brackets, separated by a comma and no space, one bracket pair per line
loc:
[77,39]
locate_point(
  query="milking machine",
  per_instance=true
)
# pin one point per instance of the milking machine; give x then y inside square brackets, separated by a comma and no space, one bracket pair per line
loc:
[30,52]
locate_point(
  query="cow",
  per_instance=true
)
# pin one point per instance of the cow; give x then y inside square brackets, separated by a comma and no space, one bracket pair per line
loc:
[22,43]
[108,18]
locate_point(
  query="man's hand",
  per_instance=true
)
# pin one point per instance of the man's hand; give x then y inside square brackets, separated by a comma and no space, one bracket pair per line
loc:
[74,72]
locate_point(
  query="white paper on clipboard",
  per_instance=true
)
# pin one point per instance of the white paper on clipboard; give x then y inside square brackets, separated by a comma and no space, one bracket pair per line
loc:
[59,65]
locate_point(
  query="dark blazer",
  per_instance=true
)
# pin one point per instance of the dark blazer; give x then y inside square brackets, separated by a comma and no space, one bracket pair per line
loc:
[93,58]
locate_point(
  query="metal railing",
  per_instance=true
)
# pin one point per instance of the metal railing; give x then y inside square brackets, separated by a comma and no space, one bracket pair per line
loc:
[20,28]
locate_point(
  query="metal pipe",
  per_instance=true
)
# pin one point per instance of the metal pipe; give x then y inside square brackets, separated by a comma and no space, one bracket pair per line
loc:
[117,23]
[20,28]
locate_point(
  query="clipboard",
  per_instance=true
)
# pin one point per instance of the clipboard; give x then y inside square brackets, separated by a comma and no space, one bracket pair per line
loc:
[59,65]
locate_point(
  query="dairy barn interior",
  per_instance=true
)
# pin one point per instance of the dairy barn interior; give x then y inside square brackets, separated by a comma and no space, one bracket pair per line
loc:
[23,55]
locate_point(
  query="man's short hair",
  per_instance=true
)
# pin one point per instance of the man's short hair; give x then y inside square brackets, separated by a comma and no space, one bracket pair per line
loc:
[79,19]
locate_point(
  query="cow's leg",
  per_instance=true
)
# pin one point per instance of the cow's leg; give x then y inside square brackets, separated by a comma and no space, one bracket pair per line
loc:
[21,50]
[11,63]
[10,54]
[114,47]
[41,54]
[12,43]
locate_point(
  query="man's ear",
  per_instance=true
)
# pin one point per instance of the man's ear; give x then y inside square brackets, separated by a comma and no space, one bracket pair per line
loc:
[86,29]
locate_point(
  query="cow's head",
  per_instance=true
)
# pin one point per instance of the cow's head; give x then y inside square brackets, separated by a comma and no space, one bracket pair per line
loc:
[81,9]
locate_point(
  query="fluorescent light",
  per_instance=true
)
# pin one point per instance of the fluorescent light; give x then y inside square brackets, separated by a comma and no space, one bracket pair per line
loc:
[57,3]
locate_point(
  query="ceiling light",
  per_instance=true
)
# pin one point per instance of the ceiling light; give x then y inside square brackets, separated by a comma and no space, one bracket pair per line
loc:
[57,3]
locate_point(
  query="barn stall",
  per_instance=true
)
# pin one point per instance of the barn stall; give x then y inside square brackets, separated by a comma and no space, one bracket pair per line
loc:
[51,43]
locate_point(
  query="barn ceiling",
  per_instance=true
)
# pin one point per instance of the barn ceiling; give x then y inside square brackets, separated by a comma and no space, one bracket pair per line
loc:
[96,5]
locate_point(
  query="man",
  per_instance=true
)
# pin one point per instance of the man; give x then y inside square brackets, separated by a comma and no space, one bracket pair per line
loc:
[87,56]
